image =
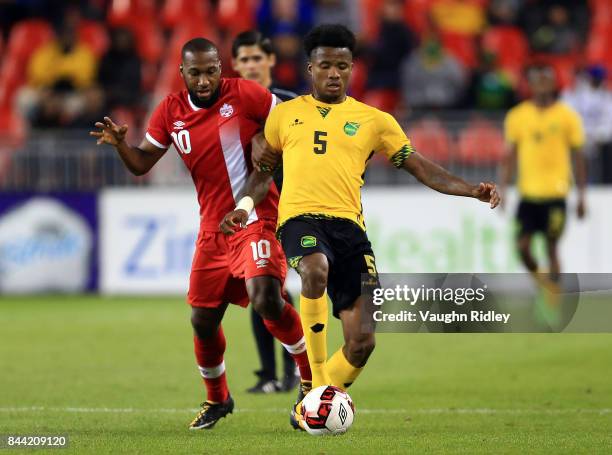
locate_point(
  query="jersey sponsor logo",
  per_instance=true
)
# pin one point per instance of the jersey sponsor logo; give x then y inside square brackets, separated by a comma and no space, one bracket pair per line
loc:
[323,111]
[179,125]
[261,263]
[296,122]
[308,241]
[350,128]
[226,110]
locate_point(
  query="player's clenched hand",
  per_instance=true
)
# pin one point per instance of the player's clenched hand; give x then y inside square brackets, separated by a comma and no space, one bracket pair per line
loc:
[487,192]
[110,132]
[234,218]
[263,157]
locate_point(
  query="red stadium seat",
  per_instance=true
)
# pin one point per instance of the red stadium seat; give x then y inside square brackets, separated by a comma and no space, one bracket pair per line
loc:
[95,35]
[149,40]
[27,36]
[416,15]
[12,130]
[462,47]
[480,143]
[125,13]
[236,16]
[508,44]
[11,78]
[431,139]
[385,100]
[187,13]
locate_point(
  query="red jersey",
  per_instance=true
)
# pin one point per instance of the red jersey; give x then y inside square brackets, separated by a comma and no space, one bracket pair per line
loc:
[215,145]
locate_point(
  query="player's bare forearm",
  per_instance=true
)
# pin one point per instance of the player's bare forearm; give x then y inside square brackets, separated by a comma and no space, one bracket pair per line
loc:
[436,177]
[264,157]
[439,179]
[137,161]
[258,185]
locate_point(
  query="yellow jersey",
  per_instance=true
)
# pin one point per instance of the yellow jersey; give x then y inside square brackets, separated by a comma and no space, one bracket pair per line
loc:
[544,139]
[326,148]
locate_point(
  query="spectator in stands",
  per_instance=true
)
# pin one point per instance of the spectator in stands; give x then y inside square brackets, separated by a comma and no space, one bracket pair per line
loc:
[285,22]
[120,75]
[60,70]
[345,12]
[394,43]
[593,101]
[556,35]
[466,17]
[490,87]
[504,12]
[285,16]
[432,78]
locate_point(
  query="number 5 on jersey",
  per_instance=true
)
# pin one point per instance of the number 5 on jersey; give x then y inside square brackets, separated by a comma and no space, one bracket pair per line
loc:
[320,144]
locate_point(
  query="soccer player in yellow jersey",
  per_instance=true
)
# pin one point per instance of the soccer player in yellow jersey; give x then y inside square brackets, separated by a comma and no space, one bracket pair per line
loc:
[326,140]
[543,134]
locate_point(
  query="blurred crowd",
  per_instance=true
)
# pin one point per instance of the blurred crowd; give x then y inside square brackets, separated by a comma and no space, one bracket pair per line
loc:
[64,64]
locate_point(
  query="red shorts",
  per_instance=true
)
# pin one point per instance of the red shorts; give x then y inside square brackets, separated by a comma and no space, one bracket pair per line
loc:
[222,264]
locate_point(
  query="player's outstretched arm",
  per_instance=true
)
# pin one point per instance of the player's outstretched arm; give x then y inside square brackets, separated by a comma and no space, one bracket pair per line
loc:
[139,160]
[439,179]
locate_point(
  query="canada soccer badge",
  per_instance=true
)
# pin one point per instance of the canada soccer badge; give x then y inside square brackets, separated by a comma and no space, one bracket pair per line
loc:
[226,110]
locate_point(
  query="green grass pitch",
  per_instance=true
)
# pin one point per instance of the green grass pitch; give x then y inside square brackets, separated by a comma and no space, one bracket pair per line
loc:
[118,376]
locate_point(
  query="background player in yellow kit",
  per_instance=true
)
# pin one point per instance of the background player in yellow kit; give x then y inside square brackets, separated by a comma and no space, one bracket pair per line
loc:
[543,134]
[325,140]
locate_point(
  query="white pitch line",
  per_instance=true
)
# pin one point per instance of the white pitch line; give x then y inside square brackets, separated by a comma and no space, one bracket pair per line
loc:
[600,411]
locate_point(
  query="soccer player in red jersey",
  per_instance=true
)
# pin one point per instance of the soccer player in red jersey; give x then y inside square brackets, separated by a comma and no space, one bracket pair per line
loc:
[211,124]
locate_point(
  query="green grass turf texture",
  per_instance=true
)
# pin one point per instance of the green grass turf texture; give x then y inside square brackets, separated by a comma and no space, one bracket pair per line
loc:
[420,393]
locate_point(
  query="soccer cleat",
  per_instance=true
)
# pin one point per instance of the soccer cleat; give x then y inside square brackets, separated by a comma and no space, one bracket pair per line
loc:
[295,418]
[265,386]
[211,413]
[289,382]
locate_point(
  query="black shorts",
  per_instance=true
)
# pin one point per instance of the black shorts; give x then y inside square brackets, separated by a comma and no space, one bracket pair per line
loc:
[346,246]
[547,217]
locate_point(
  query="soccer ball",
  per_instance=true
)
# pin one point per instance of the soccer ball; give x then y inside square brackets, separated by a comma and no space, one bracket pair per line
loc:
[327,410]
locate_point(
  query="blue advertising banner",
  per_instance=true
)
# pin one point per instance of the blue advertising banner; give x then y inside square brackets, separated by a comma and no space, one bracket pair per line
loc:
[48,242]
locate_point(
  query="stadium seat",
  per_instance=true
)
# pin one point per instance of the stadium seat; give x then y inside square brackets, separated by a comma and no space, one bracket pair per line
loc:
[26,36]
[508,44]
[480,143]
[416,15]
[186,13]
[385,100]
[358,79]
[125,13]
[462,47]
[12,131]
[235,16]
[369,21]
[11,78]
[431,139]
[95,35]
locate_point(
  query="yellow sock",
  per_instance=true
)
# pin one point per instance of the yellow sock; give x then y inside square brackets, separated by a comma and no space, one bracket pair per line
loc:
[313,313]
[342,373]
